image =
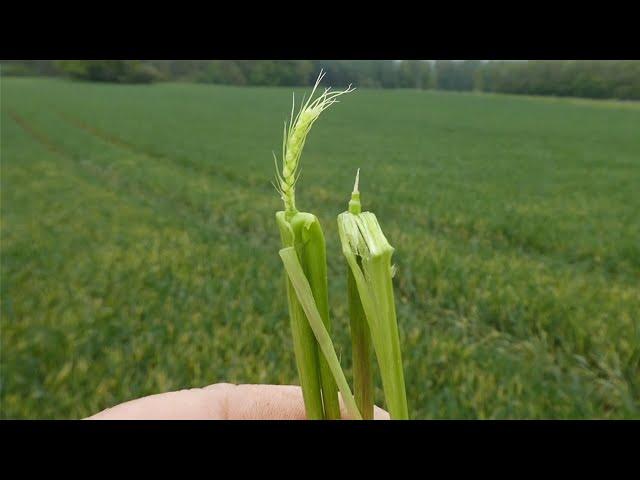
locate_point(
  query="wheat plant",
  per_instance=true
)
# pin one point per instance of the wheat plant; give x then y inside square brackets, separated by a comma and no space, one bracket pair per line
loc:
[370,292]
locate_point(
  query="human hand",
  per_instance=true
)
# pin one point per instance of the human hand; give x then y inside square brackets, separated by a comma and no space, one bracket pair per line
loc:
[221,401]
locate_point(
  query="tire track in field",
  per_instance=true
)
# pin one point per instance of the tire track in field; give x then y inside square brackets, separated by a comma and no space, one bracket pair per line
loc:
[202,211]
[232,226]
[39,137]
[131,148]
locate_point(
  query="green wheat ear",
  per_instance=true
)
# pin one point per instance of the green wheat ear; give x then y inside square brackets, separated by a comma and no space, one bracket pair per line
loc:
[295,137]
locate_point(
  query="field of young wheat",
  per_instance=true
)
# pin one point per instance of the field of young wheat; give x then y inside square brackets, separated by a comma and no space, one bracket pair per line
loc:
[139,249]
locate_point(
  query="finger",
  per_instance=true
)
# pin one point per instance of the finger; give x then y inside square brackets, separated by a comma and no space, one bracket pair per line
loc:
[273,402]
[192,404]
[378,413]
[262,402]
[221,401]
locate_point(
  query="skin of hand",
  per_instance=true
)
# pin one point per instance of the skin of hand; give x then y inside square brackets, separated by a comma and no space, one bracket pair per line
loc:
[221,401]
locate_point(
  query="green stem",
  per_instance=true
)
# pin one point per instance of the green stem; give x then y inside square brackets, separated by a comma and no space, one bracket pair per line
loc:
[360,334]
[311,252]
[361,348]
[303,291]
[304,342]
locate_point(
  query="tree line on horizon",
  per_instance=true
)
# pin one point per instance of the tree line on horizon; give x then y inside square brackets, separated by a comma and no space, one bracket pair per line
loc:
[615,79]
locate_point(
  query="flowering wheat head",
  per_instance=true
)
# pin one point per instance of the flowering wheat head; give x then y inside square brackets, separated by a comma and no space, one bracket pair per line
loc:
[294,139]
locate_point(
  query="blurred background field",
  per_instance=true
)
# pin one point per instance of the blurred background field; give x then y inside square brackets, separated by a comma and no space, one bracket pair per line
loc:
[139,246]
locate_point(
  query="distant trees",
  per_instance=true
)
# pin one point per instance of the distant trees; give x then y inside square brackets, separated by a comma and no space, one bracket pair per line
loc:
[223,72]
[454,75]
[414,74]
[592,79]
[119,71]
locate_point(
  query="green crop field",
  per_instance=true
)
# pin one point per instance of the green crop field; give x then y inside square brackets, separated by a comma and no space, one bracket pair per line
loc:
[140,252]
